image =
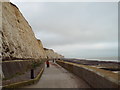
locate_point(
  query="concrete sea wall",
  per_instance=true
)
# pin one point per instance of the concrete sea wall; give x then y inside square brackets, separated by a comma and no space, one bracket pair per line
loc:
[15,67]
[95,77]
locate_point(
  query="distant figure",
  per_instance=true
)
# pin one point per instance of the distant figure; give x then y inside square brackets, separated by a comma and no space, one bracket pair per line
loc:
[47,63]
[53,60]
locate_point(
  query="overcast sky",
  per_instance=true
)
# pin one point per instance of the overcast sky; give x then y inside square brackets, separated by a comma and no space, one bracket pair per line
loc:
[75,29]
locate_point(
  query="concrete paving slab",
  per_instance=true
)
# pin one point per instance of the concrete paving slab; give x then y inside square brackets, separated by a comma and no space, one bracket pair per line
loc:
[57,77]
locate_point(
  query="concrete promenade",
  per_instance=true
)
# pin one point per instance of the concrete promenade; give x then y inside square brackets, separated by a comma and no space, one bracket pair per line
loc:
[57,77]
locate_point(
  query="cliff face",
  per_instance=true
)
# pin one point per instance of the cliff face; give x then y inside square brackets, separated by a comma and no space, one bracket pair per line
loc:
[51,54]
[0,30]
[18,39]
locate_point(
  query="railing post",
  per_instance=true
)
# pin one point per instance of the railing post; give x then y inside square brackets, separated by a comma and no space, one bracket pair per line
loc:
[32,73]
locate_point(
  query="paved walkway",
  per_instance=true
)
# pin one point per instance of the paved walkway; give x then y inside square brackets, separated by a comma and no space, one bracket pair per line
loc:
[57,77]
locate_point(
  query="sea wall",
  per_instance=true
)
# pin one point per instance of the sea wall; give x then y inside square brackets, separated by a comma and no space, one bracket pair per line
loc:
[12,68]
[20,76]
[95,77]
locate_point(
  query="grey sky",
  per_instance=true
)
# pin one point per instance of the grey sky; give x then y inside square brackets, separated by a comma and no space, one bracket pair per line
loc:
[75,29]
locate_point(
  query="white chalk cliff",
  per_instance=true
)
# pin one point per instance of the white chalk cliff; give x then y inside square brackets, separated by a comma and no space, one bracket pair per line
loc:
[51,54]
[17,38]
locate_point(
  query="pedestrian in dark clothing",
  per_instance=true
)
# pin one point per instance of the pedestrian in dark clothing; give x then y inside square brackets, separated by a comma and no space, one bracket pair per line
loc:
[47,63]
[53,60]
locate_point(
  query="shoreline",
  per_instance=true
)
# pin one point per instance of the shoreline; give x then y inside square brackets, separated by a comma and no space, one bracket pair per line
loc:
[107,60]
[94,59]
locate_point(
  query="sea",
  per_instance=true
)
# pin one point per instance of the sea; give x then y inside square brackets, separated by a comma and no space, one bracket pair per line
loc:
[112,59]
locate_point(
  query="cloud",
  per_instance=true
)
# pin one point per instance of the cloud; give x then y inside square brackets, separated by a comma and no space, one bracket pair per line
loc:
[88,50]
[78,27]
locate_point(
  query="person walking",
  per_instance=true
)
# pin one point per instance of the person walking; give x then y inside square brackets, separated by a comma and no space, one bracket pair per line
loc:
[47,63]
[53,60]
